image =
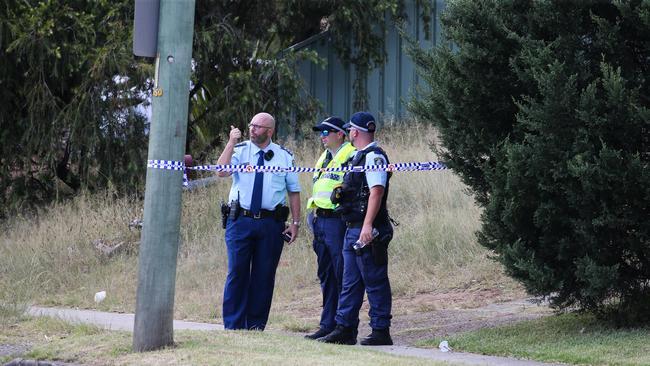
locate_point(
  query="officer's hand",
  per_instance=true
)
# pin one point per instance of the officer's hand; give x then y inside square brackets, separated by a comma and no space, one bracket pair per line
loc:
[293,231]
[235,134]
[366,234]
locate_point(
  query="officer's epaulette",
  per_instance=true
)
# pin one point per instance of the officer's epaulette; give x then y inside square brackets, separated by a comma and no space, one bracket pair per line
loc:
[287,150]
[241,144]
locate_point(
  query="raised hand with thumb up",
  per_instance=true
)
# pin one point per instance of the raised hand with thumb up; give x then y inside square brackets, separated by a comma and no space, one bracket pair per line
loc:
[235,134]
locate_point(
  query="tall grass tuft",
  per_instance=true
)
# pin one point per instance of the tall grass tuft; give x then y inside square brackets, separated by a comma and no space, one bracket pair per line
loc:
[49,259]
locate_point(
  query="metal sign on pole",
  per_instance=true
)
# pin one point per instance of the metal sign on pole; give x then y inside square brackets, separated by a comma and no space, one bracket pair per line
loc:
[145,28]
[154,314]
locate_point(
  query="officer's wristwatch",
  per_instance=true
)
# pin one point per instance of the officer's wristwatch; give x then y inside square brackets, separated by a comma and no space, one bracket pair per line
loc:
[297,223]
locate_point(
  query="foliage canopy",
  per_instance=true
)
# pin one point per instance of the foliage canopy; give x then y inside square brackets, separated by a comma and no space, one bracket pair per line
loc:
[543,108]
[69,86]
[73,96]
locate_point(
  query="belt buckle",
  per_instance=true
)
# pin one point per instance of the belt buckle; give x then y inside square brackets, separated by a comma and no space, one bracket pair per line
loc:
[258,215]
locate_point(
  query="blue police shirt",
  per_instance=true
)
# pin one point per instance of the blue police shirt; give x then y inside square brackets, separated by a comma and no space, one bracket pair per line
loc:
[276,184]
[373,158]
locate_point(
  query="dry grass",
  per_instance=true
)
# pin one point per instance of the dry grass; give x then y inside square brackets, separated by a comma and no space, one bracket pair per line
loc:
[50,260]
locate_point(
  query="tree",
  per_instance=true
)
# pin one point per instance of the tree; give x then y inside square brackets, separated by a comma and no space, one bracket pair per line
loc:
[244,40]
[71,94]
[543,112]
[72,91]
[238,70]
[69,90]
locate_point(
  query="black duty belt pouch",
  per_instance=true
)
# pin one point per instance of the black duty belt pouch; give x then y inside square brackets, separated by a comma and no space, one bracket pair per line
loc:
[380,248]
[235,209]
[281,213]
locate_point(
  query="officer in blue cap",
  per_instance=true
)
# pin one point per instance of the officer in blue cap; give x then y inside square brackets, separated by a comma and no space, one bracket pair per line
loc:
[362,204]
[256,223]
[328,228]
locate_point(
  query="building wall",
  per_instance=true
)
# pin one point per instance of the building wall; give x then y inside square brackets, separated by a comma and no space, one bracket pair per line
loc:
[389,86]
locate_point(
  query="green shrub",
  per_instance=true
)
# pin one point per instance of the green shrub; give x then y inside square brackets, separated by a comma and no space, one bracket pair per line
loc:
[543,110]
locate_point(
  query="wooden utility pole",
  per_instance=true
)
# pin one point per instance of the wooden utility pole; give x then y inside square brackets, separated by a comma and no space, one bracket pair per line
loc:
[154,312]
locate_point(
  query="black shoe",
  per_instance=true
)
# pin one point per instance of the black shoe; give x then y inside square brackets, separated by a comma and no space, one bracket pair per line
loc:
[378,337]
[340,335]
[319,333]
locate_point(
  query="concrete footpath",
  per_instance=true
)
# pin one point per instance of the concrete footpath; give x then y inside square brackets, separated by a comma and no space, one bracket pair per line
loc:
[124,322]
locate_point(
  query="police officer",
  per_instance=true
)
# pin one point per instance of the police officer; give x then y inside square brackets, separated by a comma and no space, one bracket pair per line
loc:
[254,233]
[327,225]
[363,207]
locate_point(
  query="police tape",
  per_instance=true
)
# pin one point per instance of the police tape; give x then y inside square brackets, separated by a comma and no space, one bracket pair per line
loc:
[247,168]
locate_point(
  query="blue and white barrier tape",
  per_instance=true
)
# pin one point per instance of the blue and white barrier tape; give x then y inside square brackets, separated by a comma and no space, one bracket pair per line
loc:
[166,164]
[246,168]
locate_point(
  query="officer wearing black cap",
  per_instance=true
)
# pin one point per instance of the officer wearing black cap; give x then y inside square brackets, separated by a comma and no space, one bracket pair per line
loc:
[362,205]
[328,228]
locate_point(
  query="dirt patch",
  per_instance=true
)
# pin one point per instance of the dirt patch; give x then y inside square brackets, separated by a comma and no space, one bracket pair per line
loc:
[431,315]
[411,328]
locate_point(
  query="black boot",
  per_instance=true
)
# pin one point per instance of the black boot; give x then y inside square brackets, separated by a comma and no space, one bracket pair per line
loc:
[340,335]
[318,334]
[378,337]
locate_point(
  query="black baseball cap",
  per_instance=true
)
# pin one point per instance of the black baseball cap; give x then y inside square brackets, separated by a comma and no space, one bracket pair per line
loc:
[330,124]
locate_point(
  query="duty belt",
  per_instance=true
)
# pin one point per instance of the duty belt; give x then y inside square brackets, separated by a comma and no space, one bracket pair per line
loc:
[327,213]
[376,223]
[263,214]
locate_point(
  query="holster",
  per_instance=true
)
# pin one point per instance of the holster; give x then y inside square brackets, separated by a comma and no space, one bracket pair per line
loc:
[380,248]
[225,212]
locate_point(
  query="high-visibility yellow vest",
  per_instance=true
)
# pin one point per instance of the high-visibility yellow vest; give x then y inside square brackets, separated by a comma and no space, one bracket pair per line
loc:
[324,182]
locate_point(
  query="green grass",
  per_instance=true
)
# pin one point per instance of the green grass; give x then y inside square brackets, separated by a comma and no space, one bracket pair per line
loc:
[578,339]
[54,339]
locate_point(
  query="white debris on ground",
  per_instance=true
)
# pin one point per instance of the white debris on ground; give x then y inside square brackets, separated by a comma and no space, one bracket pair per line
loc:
[444,346]
[100,296]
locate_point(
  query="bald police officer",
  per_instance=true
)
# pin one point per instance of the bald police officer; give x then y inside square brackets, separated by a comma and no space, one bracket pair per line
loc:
[255,227]
[327,225]
[363,207]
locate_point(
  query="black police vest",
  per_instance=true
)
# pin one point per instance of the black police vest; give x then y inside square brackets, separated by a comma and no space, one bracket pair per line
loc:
[355,192]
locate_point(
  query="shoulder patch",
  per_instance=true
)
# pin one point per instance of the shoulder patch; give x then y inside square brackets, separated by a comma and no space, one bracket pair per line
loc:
[379,160]
[287,150]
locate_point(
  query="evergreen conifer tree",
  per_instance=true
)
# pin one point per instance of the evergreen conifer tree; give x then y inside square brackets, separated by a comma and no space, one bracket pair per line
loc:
[543,111]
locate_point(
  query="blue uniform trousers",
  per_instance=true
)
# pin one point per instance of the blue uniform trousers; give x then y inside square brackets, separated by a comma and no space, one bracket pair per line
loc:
[361,273]
[254,249]
[328,245]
